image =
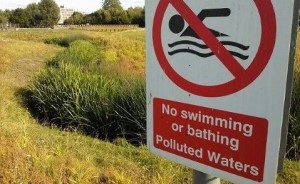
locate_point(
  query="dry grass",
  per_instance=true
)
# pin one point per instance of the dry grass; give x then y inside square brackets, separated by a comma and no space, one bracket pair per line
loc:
[31,153]
[12,50]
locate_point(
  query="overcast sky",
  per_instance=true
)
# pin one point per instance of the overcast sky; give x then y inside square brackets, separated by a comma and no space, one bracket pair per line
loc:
[87,6]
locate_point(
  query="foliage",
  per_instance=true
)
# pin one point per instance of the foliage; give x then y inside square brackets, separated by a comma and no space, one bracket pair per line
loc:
[137,16]
[20,16]
[112,4]
[103,16]
[76,19]
[50,13]
[44,14]
[35,15]
[110,15]
[3,17]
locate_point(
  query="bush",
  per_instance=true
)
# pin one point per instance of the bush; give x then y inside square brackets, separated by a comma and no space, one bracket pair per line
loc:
[293,143]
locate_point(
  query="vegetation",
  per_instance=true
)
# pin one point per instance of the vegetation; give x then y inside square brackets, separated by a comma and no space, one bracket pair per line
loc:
[49,13]
[4,15]
[109,4]
[76,92]
[293,143]
[66,41]
[59,153]
[43,14]
[113,14]
[46,14]
[31,153]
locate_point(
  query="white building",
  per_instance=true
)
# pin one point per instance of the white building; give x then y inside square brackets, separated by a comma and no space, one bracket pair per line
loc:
[65,13]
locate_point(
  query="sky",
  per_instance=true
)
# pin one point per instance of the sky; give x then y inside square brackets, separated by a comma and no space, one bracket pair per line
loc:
[86,6]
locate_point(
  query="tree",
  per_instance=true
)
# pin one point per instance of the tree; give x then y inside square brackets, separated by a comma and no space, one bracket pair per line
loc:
[105,17]
[136,16]
[34,13]
[3,17]
[118,16]
[76,19]
[91,18]
[20,16]
[108,4]
[50,13]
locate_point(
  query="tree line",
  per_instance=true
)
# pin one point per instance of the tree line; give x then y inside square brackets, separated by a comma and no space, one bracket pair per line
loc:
[109,15]
[46,13]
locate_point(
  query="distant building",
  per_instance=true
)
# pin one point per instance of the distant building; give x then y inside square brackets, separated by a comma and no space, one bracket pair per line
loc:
[65,13]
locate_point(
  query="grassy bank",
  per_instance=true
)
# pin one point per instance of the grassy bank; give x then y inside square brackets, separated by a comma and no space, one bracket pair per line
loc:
[83,89]
[32,152]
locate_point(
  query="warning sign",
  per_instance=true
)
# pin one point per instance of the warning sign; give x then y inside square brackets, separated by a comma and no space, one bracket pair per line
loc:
[212,137]
[219,79]
[242,77]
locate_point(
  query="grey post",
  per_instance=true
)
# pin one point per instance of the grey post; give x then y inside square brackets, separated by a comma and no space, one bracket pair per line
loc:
[202,178]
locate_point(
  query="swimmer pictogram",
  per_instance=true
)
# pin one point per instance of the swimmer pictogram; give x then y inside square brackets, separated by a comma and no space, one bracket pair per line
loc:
[177,24]
[209,38]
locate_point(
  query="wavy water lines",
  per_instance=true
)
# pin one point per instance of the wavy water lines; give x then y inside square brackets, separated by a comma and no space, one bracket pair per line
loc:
[204,47]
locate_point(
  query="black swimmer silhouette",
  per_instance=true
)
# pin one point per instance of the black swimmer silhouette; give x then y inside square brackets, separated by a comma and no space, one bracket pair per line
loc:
[177,24]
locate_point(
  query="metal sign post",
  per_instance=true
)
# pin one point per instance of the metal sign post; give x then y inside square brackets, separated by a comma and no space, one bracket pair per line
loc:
[202,178]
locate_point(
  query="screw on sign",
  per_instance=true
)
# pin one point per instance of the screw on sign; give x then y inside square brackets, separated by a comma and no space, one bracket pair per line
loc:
[242,76]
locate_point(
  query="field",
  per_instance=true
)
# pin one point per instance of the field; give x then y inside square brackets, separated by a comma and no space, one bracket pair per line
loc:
[49,146]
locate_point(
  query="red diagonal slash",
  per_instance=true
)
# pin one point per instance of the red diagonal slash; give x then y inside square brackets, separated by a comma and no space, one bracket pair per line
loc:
[208,38]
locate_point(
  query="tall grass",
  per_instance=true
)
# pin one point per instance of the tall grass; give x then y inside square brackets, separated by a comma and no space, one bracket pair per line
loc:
[81,53]
[72,93]
[129,104]
[293,143]
[30,153]
[71,97]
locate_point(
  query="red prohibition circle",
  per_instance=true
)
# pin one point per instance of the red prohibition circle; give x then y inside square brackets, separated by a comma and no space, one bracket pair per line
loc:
[242,77]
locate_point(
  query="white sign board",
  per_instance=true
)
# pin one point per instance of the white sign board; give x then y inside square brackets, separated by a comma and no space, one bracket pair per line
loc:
[217,74]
